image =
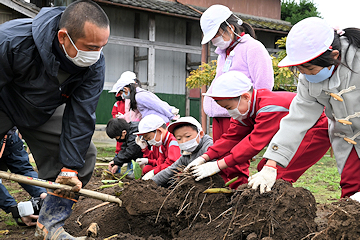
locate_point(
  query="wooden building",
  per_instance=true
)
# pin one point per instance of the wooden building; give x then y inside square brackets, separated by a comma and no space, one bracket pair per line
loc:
[160,41]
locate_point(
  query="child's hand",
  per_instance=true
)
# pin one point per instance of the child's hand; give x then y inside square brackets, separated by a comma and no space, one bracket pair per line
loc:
[112,167]
[148,175]
[196,162]
[142,161]
[140,142]
[119,114]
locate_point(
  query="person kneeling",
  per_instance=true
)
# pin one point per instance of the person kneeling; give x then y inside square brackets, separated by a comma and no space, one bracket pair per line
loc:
[193,142]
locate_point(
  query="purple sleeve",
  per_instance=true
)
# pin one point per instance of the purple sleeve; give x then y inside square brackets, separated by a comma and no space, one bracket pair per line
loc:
[260,67]
[148,100]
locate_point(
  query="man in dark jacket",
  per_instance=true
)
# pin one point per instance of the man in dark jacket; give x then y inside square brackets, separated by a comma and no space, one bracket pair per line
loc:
[52,60]
[123,131]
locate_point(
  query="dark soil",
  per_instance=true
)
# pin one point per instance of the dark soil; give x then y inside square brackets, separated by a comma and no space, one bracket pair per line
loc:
[183,212]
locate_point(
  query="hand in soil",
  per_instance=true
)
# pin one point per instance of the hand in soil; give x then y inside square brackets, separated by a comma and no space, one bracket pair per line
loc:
[198,161]
[205,170]
[112,167]
[148,175]
[264,179]
[28,220]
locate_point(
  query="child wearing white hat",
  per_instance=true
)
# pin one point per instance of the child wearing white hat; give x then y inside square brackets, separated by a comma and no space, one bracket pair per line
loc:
[121,108]
[328,61]
[238,50]
[164,147]
[256,116]
[193,142]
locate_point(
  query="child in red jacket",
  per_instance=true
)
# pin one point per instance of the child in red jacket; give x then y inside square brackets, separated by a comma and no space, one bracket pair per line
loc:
[164,147]
[255,118]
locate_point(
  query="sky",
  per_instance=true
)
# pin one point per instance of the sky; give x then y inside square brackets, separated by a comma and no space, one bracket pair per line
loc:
[339,13]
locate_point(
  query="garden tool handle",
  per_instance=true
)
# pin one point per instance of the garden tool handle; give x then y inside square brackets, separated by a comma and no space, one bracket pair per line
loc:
[52,185]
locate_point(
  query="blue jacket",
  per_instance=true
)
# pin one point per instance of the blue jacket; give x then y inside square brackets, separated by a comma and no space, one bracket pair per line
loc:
[30,91]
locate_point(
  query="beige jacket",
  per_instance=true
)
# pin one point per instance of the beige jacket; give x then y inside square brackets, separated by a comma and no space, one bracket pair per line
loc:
[307,106]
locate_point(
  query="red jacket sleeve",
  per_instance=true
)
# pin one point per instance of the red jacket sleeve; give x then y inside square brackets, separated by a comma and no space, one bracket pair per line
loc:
[228,140]
[172,153]
[266,125]
[114,110]
[150,155]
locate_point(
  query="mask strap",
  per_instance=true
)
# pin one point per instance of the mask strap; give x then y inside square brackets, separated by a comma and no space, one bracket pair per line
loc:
[71,41]
[233,30]
[240,22]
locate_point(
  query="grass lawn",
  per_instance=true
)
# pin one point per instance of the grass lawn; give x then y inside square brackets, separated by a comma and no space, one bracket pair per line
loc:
[322,179]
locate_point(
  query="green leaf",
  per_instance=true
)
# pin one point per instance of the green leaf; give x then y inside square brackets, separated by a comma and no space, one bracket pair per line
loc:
[137,169]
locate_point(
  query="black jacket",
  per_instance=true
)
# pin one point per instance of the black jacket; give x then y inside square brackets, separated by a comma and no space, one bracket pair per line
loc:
[129,149]
[30,91]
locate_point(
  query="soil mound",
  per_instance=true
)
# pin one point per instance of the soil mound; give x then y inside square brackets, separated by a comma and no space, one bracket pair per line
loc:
[185,212]
[343,221]
[284,213]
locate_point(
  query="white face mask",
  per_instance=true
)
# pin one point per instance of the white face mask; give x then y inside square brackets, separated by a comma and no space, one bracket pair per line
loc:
[219,42]
[235,113]
[190,145]
[153,141]
[83,58]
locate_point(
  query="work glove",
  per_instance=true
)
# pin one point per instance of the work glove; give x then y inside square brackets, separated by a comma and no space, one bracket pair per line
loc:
[356,197]
[142,143]
[113,167]
[176,117]
[68,177]
[265,179]
[175,111]
[119,114]
[197,161]
[142,161]
[205,170]
[148,175]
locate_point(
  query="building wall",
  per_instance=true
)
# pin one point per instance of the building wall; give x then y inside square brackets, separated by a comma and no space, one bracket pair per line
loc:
[260,8]
[7,14]
[170,66]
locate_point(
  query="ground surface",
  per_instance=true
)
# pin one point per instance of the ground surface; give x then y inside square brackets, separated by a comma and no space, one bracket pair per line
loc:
[185,212]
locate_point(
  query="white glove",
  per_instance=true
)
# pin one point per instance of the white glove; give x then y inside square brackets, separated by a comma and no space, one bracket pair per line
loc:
[176,117]
[148,175]
[175,111]
[265,179]
[197,161]
[140,142]
[119,114]
[356,197]
[142,161]
[205,170]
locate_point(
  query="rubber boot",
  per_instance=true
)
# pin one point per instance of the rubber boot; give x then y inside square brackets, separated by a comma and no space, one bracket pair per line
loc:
[54,211]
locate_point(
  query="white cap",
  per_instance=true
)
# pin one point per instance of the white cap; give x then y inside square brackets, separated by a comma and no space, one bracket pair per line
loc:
[149,123]
[126,78]
[307,40]
[184,120]
[211,20]
[229,85]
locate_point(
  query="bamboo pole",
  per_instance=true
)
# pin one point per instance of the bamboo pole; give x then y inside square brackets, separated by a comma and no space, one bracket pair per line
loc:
[53,185]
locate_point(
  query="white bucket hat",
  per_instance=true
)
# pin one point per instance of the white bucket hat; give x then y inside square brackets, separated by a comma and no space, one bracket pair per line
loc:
[307,40]
[149,123]
[211,20]
[126,78]
[184,120]
[229,85]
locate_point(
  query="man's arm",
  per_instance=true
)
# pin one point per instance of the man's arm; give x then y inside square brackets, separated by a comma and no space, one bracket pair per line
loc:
[79,117]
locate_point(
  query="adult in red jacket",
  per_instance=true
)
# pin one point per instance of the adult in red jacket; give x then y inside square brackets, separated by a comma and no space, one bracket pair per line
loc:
[256,116]
[164,147]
